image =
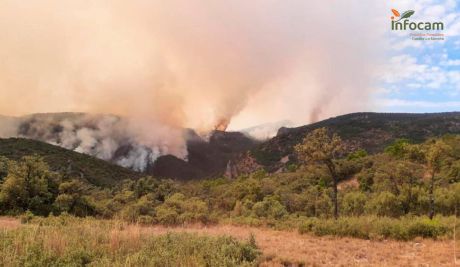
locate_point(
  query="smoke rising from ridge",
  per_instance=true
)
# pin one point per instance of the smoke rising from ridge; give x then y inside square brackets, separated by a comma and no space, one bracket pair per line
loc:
[171,64]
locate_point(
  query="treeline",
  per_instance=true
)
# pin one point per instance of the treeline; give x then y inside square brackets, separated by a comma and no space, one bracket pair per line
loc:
[404,180]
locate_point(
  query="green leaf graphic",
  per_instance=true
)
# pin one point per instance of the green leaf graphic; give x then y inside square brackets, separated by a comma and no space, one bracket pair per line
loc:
[407,14]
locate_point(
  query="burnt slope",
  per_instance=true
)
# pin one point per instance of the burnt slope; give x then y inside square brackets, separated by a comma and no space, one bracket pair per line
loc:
[205,158]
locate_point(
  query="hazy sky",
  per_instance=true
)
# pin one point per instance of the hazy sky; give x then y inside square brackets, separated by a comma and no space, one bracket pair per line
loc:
[200,63]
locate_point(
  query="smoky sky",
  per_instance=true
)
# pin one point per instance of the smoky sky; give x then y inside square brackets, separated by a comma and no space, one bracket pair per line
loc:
[189,63]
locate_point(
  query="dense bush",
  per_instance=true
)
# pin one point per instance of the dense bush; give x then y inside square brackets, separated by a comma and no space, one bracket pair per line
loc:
[269,208]
[385,204]
[28,185]
[177,209]
[354,203]
[373,227]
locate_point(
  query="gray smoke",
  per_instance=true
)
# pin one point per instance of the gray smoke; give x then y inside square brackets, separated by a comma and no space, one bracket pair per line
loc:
[107,137]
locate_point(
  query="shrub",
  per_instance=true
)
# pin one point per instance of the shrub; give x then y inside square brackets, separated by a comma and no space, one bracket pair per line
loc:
[371,227]
[358,154]
[269,208]
[384,204]
[167,215]
[426,228]
[353,203]
[177,210]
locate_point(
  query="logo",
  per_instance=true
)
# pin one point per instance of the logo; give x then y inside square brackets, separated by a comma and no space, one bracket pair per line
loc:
[400,22]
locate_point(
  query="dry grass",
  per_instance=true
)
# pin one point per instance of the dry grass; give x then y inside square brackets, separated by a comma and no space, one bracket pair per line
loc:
[290,247]
[284,247]
[9,223]
[129,235]
[350,183]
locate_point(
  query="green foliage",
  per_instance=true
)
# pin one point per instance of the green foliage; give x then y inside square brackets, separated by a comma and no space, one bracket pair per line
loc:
[354,203]
[141,209]
[68,163]
[436,153]
[358,154]
[366,180]
[29,185]
[319,146]
[398,149]
[447,200]
[179,249]
[292,167]
[452,174]
[396,184]
[72,199]
[385,204]
[372,227]
[177,209]
[3,168]
[269,208]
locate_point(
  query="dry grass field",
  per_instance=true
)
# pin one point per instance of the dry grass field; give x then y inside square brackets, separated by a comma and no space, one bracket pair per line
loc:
[284,247]
[293,249]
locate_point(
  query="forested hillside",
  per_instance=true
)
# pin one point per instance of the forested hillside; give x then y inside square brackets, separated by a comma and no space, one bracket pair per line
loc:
[391,194]
[369,131]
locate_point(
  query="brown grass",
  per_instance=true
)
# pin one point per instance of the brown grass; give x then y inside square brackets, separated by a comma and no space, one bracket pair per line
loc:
[291,247]
[9,223]
[284,247]
[130,234]
[350,183]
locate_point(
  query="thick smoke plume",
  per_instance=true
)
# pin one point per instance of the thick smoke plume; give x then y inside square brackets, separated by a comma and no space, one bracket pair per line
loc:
[107,137]
[166,65]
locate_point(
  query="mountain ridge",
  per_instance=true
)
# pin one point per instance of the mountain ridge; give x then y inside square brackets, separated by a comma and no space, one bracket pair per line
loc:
[235,153]
[371,131]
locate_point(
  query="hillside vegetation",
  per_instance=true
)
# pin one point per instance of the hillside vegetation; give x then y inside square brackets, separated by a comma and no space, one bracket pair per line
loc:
[67,162]
[406,189]
[395,184]
[366,130]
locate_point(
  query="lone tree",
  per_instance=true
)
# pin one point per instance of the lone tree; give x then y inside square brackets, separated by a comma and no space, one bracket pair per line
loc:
[437,150]
[320,147]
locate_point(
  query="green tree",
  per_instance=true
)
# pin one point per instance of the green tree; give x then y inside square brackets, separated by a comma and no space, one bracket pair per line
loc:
[73,198]
[437,150]
[320,147]
[398,149]
[29,185]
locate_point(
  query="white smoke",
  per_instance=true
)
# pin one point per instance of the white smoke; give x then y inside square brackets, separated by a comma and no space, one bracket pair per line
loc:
[267,130]
[107,137]
[138,158]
